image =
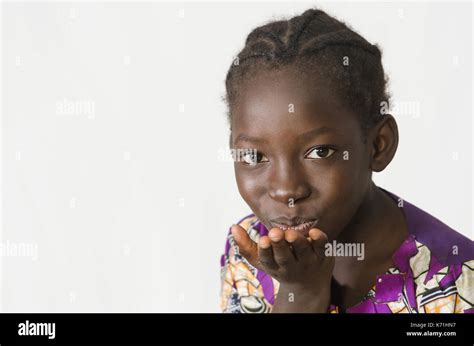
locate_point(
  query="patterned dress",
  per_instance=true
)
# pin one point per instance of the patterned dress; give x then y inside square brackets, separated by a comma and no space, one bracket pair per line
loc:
[433,272]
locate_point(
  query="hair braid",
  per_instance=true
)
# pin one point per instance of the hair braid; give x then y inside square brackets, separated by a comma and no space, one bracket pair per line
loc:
[315,40]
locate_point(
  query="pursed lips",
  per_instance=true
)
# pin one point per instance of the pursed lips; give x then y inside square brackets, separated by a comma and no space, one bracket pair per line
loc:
[300,225]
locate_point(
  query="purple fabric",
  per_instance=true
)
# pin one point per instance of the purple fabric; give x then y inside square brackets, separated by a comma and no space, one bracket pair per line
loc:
[366,306]
[222,260]
[438,237]
[411,290]
[369,307]
[382,309]
[262,230]
[435,267]
[267,286]
[402,255]
[454,271]
[388,287]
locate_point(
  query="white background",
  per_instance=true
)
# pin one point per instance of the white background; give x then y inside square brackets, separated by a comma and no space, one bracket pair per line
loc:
[127,201]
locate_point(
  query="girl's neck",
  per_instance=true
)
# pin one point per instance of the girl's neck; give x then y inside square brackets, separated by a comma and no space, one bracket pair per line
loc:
[379,224]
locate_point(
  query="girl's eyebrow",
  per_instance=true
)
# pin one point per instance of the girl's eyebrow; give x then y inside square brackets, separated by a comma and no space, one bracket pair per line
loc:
[309,134]
[317,131]
[245,138]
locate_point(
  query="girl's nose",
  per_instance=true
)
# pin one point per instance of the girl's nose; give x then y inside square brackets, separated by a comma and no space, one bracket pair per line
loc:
[288,185]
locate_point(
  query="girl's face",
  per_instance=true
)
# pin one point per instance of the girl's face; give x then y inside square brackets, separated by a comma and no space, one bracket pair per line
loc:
[311,162]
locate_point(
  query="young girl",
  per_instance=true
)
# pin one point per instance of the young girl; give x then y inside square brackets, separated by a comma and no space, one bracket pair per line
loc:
[305,100]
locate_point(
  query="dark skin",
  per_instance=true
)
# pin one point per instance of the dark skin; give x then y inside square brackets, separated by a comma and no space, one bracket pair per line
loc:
[314,164]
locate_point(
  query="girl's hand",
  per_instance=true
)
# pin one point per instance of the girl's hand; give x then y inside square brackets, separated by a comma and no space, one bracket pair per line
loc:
[299,264]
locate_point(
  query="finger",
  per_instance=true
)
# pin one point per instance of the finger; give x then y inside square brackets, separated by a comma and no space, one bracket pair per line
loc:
[265,254]
[319,239]
[281,249]
[247,247]
[301,246]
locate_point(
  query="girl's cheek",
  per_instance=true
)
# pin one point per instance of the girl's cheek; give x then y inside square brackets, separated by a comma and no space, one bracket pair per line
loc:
[251,188]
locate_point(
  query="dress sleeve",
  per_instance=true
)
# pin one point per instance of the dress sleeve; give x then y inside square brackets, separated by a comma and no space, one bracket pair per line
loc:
[229,298]
[241,291]
[451,290]
[465,289]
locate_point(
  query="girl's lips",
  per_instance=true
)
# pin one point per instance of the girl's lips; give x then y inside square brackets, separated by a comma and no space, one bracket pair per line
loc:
[302,227]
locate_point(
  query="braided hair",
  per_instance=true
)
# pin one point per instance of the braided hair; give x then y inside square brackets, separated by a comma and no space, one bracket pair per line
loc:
[315,42]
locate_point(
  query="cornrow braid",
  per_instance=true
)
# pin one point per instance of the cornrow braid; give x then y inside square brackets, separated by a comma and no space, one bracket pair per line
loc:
[316,42]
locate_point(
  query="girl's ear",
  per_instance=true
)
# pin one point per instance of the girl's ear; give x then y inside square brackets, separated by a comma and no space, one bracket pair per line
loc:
[384,142]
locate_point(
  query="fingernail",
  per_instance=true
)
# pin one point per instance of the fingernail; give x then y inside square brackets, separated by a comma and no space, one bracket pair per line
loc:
[263,245]
[274,238]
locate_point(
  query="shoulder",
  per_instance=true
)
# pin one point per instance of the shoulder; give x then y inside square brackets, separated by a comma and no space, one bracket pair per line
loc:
[441,261]
[442,287]
[446,244]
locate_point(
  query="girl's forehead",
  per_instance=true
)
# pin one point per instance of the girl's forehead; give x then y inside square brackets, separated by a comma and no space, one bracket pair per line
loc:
[287,102]
[285,89]
[278,108]
[288,80]
[281,127]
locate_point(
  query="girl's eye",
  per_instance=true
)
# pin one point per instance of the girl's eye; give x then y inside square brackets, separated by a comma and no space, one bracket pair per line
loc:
[320,153]
[253,157]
